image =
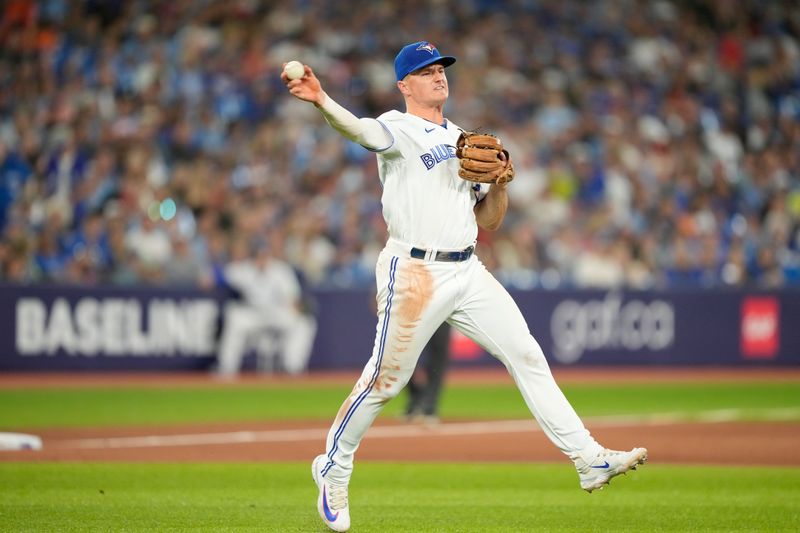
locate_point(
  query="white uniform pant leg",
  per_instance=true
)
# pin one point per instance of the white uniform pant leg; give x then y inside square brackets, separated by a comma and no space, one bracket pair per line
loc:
[241,321]
[409,311]
[298,339]
[487,314]
[295,331]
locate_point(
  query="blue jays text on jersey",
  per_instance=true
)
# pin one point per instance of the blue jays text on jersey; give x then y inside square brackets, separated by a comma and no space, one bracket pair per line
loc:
[439,153]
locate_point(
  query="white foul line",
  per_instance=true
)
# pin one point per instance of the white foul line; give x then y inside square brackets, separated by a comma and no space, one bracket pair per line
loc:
[407,431]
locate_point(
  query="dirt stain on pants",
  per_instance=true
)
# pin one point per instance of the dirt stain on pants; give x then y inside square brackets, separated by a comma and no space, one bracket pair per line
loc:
[414,293]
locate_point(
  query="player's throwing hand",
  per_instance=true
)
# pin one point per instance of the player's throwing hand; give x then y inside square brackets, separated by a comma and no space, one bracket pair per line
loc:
[305,88]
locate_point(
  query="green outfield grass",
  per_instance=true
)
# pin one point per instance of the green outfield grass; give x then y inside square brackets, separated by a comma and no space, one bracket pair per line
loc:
[388,497]
[36,408]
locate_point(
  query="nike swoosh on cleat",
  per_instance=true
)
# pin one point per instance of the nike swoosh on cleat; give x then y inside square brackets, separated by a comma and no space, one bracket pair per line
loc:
[605,465]
[328,514]
[429,130]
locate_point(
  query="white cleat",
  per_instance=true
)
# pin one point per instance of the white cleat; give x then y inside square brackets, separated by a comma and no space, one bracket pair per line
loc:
[332,501]
[607,464]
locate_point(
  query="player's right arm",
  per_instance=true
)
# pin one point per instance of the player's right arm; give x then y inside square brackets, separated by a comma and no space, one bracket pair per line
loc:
[367,132]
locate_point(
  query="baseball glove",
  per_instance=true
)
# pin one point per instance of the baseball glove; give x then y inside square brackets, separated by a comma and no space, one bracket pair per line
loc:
[483,159]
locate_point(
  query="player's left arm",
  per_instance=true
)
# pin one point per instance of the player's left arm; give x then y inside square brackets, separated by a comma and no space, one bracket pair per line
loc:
[490,212]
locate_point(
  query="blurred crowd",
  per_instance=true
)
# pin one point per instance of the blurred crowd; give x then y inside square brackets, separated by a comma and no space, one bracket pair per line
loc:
[657,143]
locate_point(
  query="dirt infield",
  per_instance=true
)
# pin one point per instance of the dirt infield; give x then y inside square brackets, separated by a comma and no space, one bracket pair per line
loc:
[714,441]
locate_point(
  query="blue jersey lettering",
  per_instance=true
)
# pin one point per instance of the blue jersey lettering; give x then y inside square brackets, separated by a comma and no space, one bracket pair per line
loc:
[439,153]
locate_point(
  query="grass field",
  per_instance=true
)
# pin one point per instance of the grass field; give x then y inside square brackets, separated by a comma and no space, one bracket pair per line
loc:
[389,497]
[34,408]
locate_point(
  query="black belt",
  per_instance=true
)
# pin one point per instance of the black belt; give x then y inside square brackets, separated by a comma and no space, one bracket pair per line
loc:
[462,255]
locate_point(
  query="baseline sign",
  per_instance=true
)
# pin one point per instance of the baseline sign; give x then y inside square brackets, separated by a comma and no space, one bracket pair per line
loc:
[67,328]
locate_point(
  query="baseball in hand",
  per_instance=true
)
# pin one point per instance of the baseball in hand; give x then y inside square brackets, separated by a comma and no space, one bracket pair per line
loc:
[294,70]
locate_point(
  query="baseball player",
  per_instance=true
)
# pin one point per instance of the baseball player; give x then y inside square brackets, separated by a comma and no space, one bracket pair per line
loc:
[427,273]
[270,300]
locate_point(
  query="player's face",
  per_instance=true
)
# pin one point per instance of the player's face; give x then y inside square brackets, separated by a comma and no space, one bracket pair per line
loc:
[427,85]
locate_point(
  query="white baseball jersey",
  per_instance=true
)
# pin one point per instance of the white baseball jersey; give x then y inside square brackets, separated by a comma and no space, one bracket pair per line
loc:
[271,288]
[425,203]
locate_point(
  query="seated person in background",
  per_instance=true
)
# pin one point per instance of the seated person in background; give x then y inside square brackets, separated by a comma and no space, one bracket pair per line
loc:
[270,301]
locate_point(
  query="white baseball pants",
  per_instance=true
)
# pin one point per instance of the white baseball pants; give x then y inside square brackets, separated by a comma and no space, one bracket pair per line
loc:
[242,322]
[414,297]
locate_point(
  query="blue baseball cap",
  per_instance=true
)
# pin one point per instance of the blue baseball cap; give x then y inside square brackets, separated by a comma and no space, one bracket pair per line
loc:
[414,56]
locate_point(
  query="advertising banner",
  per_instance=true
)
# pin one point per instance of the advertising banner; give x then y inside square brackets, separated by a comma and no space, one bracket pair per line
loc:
[76,328]
[101,328]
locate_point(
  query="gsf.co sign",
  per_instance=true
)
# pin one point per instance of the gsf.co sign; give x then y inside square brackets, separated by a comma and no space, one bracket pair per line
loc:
[581,326]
